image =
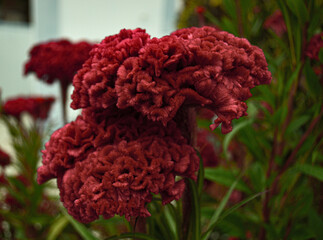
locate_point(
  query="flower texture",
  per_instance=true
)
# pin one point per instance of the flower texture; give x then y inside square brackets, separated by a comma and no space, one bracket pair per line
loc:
[107,165]
[4,158]
[37,107]
[276,23]
[129,141]
[314,46]
[195,67]
[57,60]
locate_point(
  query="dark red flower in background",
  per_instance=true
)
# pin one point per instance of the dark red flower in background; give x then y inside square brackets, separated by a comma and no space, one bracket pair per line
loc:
[37,107]
[314,46]
[127,144]
[276,23]
[57,60]
[4,158]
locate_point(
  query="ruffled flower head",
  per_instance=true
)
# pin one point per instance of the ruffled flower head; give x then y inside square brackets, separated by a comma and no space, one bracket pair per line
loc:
[112,166]
[37,107]
[129,141]
[195,67]
[57,60]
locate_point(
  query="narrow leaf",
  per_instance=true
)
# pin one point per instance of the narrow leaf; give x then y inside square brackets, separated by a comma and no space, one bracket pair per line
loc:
[218,211]
[80,228]
[311,170]
[57,227]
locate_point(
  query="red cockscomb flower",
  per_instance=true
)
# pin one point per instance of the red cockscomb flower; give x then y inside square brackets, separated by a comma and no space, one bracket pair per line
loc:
[314,46]
[4,158]
[195,66]
[57,60]
[107,165]
[276,23]
[129,142]
[37,107]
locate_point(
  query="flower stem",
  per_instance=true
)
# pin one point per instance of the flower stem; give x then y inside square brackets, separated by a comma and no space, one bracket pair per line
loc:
[186,121]
[64,86]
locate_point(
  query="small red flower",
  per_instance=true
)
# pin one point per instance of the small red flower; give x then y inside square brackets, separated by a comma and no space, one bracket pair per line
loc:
[37,107]
[57,60]
[276,23]
[200,10]
[314,46]
[4,158]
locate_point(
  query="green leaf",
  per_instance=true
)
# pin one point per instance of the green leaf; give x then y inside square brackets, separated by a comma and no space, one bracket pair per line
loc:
[312,80]
[257,176]
[235,130]
[230,8]
[218,211]
[311,170]
[132,236]
[297,123]
[57,227]
[280,115]
[195,224]
[225,177]
[80,228]
[316,223]
[299,9]
[240,204]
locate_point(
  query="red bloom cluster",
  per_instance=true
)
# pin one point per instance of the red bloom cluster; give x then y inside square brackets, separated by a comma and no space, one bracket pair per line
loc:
[107,165]
[4,158]
[314,46]
[195,66]
[57,60]
[276,23]
[126,144]
[37,107]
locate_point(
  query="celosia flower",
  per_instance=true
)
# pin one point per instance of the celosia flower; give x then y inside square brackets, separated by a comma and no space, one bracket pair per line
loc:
[57,60]
[276,23]
[37,107]
[129,142]
[195,66]
[4,158]
[113,166]
[314,46]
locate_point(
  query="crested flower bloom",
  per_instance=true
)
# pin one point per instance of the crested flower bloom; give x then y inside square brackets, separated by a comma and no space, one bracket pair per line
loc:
[132,139]
[107,165]
[4,158]
[276,23]
[57,60]
[37,107]
[192,67]
[314,46]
